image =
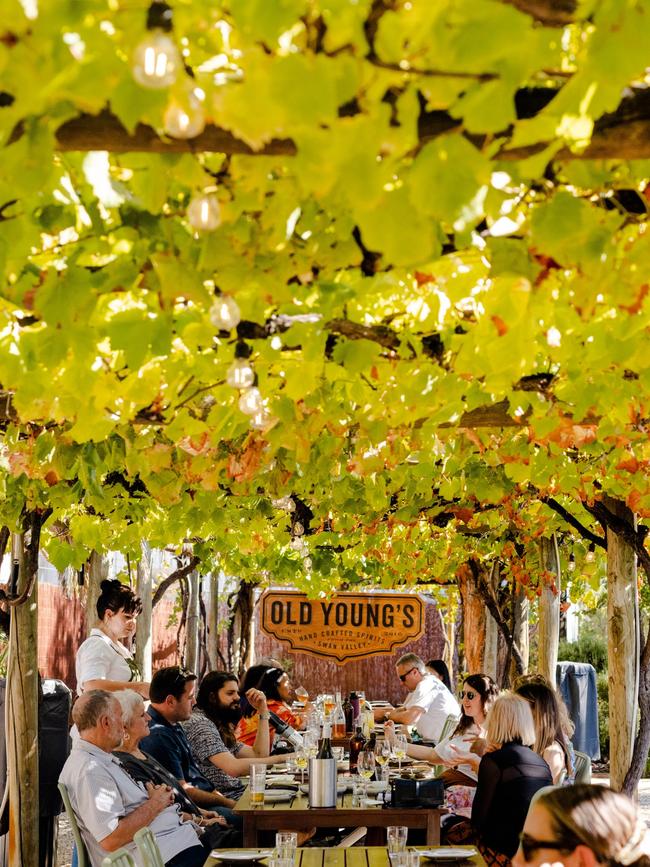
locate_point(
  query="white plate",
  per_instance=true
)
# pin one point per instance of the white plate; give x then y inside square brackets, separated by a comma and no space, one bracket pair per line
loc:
[448,853]
[377,786]
[241,854]
[276,795]
[340,788]
[371,802]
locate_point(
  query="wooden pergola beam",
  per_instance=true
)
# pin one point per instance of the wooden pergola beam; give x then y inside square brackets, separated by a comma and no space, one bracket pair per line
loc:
[551,13]
[624,135]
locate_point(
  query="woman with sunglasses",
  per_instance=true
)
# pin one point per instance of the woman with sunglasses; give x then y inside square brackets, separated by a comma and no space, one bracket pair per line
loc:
[583,826]
[477,695]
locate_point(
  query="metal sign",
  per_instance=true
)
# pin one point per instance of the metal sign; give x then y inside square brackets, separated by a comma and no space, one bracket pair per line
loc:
[344,626]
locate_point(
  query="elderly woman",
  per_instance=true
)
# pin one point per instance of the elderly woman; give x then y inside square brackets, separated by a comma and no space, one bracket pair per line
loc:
[509,775]
[583,826]
[103,660]
[211,827]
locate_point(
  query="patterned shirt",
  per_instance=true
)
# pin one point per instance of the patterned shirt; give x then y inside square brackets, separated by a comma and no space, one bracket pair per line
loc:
[205,740]
[246,730]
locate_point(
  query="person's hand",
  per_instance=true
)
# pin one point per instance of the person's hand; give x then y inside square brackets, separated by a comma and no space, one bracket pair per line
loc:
[141,688]
[257,700]
[160,796]
[215,820]
[389,731]
[479,746]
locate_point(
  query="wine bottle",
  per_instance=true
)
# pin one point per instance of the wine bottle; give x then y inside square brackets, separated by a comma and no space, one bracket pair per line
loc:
[325,748]
[349,716]
[339,728]
[357,743]
[285,730]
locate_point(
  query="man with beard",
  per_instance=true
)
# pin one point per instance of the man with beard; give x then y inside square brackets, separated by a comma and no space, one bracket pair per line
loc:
[211,733]
[172,697]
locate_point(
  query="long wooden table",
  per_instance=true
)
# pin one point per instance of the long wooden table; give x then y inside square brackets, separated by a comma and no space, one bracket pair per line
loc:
[355,856]
[296,814]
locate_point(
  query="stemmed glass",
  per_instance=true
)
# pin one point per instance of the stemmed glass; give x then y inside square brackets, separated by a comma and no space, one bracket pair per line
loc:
[382,752]
[301,694]
[310,743]
[301,763]
[366,768]
[399,750]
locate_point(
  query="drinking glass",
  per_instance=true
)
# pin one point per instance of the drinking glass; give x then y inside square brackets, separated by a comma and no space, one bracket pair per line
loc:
[258,784]
[286,843]
[328,705]
[399,750]
[338,753]
[366,768]
[302,757]
[396,838]
[310,743]
[301,694]
[382,753]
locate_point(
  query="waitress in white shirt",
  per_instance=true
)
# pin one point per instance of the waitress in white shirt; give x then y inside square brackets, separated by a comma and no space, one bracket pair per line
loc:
[103,661]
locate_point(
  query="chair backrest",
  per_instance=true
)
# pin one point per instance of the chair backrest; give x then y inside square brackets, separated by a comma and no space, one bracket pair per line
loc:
[450,724]
[148,848]
[82,853]
[119,858]
[539,793]
[582,767]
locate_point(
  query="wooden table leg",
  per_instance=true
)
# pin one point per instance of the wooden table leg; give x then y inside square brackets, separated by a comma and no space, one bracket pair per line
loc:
[376,837]
[250,831]
[433,828]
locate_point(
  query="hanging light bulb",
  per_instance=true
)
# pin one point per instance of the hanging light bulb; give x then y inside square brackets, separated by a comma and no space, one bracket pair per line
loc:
[298,529]
[590,556]
[204,213]
[185,118]
[156,59]
[571,566]
[251,401]
[240,374]
[261,420]
[224,313]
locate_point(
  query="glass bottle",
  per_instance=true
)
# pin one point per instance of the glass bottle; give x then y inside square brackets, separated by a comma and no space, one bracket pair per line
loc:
[349,716]
[357,743]
[338,718]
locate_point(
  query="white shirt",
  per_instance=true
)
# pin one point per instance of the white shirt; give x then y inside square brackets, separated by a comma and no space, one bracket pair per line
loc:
[461,742]
[101,793]
[433,697]
[101,658]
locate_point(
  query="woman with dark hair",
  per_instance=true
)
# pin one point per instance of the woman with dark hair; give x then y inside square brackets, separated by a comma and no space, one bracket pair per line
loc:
[583,826]
[438,668]
[550,742]
[276,686]
[103,660]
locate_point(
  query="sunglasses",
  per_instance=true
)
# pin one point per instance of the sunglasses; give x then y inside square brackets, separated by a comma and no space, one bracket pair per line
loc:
[468,694]
[403,677]
[529,845]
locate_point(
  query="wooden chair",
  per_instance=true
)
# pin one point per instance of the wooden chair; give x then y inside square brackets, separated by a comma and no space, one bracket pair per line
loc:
[119,858]
[82,853]
[582,767]
[148,848]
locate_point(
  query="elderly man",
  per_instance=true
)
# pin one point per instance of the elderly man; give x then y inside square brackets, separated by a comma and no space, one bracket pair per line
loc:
[428,703]
[109,805]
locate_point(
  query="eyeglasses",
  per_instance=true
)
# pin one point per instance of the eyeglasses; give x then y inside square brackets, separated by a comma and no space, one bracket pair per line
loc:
[469,695]
[403,677]
[529,845]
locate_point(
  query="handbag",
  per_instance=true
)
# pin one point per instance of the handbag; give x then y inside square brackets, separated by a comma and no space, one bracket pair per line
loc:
[417,793]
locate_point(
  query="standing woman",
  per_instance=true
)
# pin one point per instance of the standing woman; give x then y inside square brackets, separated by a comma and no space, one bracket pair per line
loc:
[103,661]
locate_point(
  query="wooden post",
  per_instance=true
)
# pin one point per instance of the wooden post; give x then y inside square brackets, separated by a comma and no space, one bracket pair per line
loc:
[549,611]
[520,630]
[622,646]
[97,572]
[21,720]
[213,620]
[144,628]
[193,623]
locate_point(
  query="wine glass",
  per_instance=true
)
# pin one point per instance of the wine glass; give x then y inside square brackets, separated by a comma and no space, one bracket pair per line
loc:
[366,768]
[301,694]
[382,753]
[310,743]
[399,750]
[301,757]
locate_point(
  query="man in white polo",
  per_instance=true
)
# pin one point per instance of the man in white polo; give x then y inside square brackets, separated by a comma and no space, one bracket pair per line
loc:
[110,805]
[428,703]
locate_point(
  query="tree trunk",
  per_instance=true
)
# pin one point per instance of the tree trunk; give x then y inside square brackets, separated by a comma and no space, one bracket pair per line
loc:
[549,611]
[622,647]
[193,623]
[144,628]
[21,723]
[96,573]
[475,615]
[520,631]
[240,631]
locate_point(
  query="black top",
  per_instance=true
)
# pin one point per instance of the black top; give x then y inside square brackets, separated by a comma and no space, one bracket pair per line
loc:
[148,770]
[507,780]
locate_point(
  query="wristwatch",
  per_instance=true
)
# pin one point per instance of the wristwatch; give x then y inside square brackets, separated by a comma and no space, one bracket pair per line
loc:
[264,715]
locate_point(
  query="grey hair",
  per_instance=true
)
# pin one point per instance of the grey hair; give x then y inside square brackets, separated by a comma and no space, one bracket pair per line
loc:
[130,702]
[414,660]
[91,707]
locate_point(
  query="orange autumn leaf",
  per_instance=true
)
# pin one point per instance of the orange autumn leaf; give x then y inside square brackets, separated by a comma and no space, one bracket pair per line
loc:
[500,325]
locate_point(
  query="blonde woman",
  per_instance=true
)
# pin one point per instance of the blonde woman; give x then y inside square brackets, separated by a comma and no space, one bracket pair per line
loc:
[584,826]
[509,775]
